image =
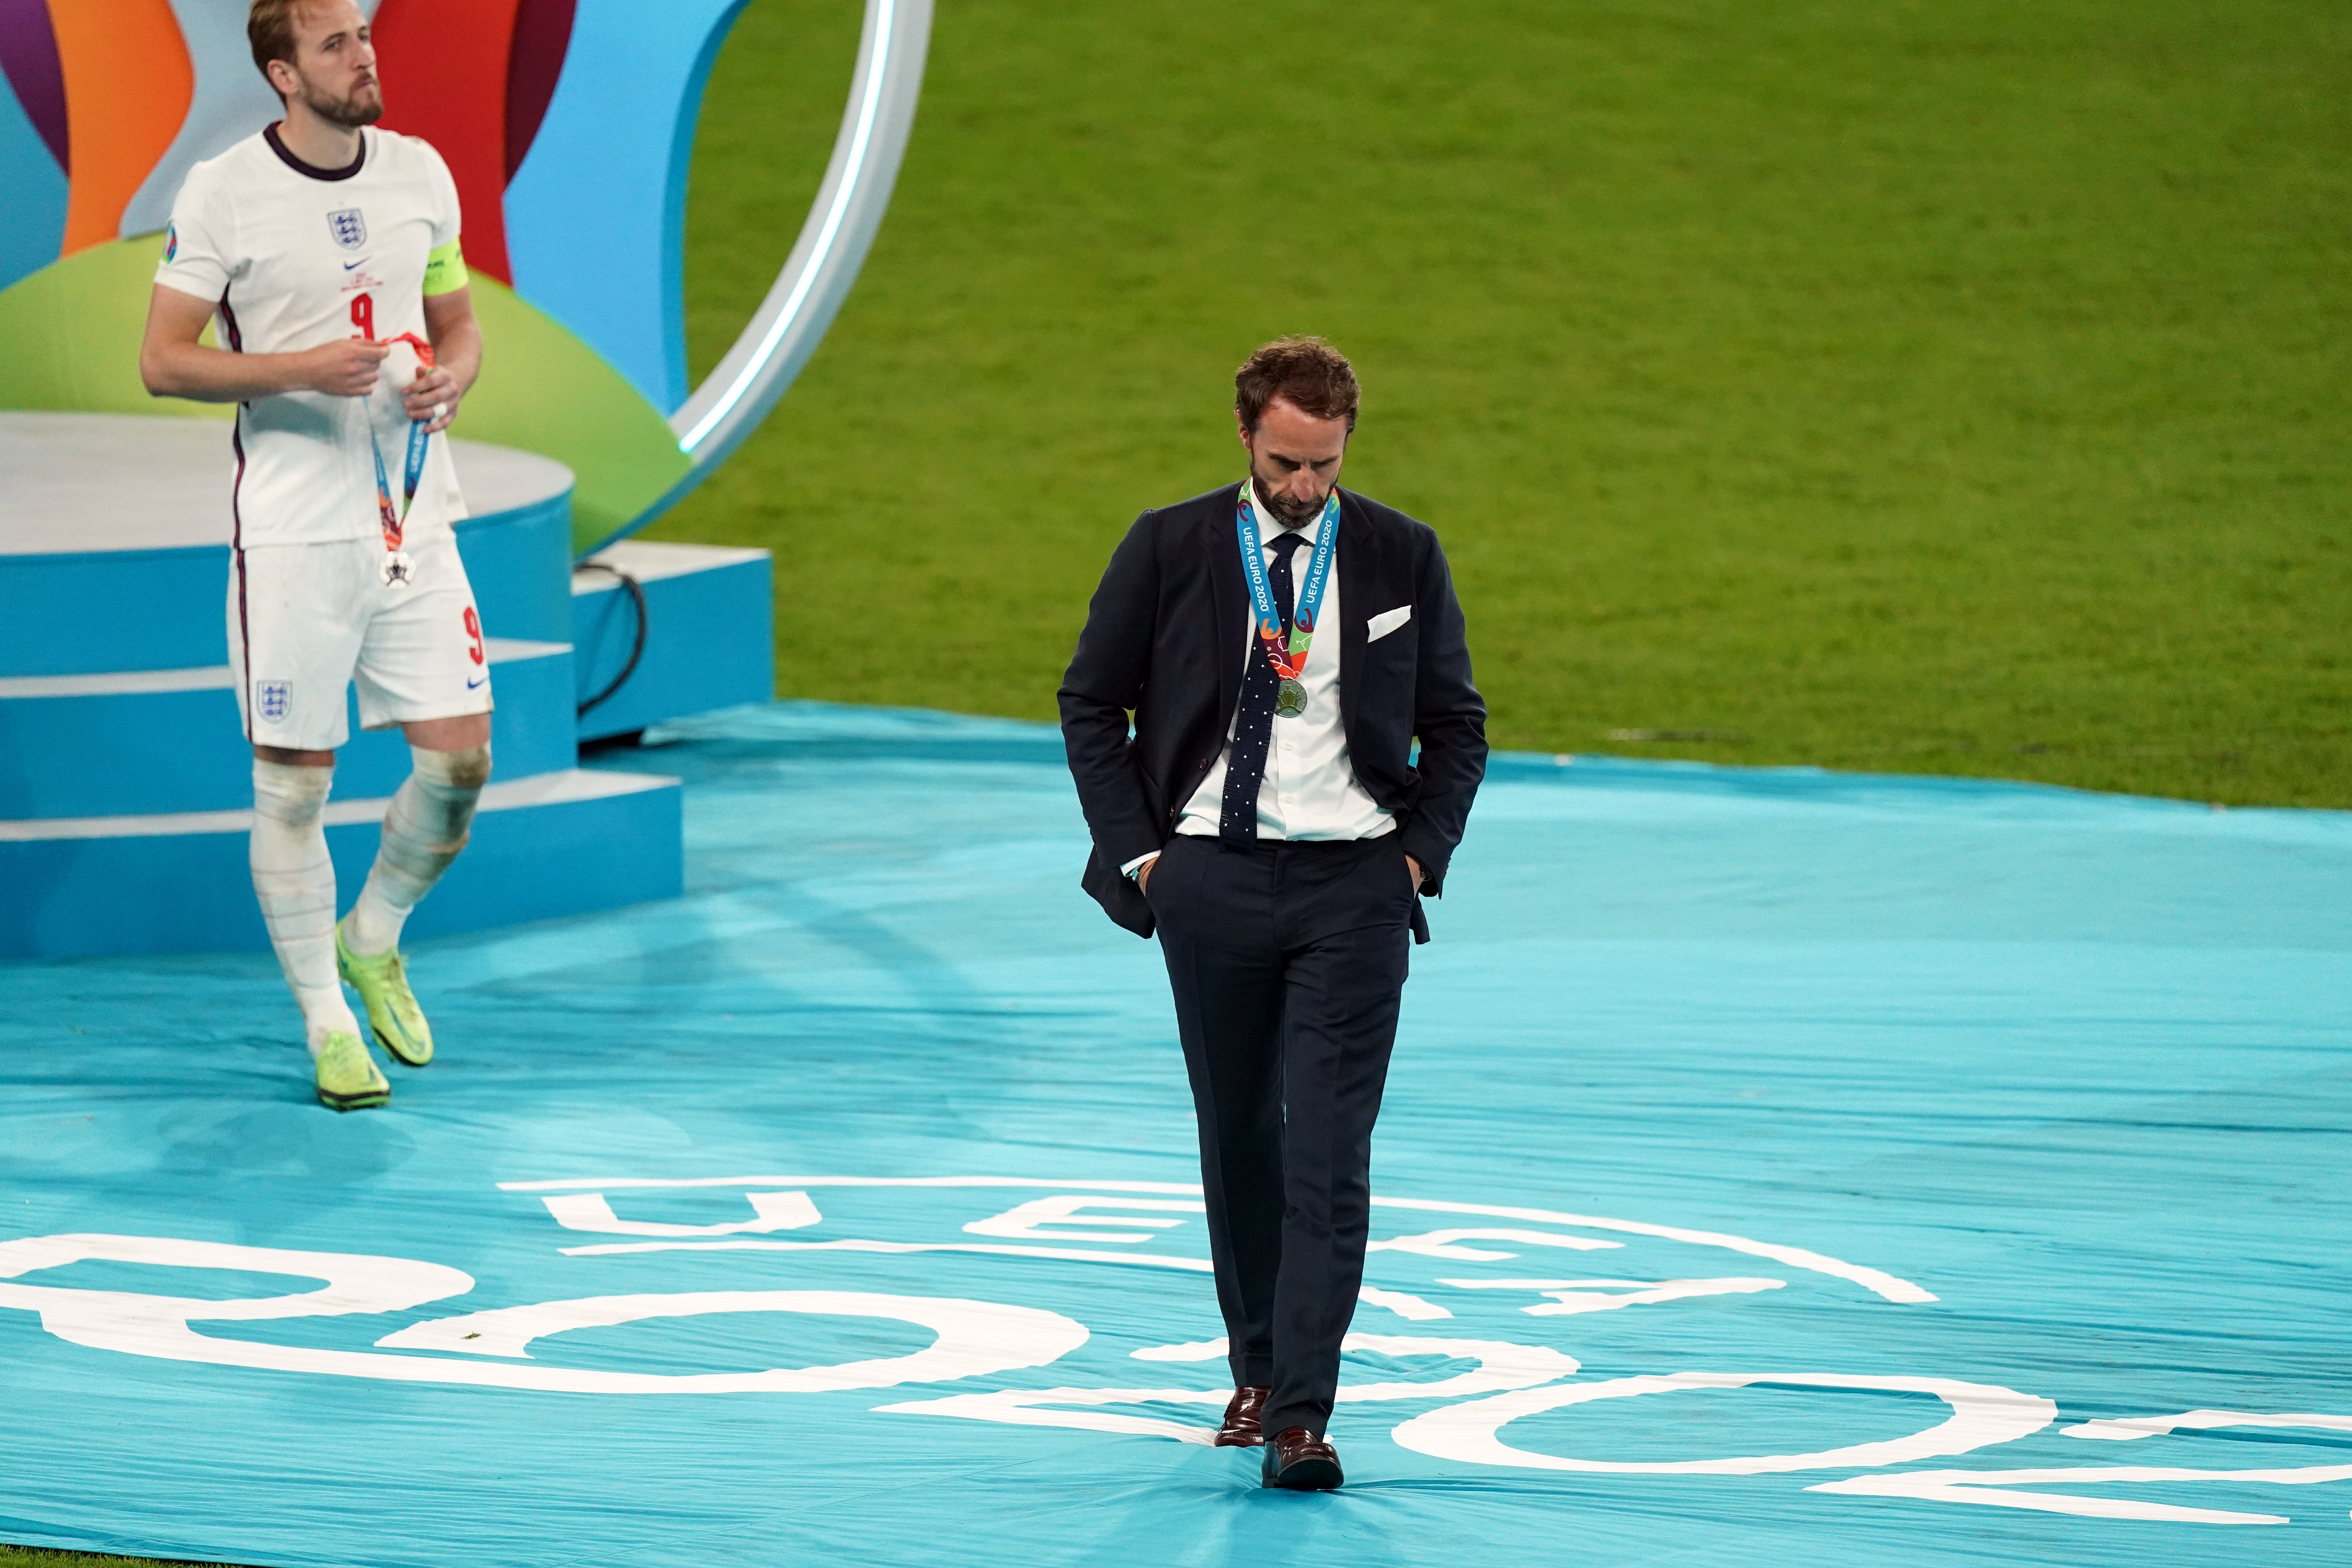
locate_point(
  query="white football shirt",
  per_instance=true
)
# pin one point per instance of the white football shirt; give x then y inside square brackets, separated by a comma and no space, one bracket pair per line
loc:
[293,257]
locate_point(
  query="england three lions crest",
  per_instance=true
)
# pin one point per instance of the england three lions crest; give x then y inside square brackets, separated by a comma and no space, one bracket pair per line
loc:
[349,227]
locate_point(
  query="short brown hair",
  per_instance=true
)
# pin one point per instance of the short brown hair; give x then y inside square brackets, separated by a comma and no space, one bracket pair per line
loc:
[269,28]
[1307,372]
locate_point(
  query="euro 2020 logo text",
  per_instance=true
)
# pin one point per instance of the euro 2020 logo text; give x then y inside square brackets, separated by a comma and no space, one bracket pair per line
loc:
[1480,1300]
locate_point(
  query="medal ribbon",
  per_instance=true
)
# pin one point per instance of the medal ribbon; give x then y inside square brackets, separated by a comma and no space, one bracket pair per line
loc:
[394,522]
[1290,661]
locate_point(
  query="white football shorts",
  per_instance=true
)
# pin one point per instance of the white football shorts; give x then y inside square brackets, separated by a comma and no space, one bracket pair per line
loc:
[306,620]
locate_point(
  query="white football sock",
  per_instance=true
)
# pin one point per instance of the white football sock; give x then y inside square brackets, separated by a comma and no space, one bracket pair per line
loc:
[423,832]
[295,881]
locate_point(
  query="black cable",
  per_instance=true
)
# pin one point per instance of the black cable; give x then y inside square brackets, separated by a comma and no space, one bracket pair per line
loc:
[637,650]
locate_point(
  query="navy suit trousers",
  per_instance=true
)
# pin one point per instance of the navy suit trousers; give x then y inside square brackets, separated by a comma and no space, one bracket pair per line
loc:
[1288,961]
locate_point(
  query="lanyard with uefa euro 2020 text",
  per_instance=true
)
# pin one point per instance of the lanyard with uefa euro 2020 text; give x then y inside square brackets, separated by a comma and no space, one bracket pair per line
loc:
[398,570]
[1289,660]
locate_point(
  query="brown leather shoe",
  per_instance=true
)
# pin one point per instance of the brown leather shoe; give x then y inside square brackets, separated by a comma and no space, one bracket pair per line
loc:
[1241,1428]
[1299,1461]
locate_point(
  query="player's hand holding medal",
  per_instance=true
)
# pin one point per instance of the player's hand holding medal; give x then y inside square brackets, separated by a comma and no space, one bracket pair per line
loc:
[431,397]
[407,363]
[347,367]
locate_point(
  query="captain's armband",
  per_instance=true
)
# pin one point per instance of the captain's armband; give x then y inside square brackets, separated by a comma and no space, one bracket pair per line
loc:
[445,269]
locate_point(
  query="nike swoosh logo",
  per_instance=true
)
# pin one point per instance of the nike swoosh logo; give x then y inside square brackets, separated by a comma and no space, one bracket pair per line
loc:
[360,262]
[471,684]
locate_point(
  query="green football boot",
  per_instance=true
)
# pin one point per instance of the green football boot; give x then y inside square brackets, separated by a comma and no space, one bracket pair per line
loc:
[391,1010]
[349,1079]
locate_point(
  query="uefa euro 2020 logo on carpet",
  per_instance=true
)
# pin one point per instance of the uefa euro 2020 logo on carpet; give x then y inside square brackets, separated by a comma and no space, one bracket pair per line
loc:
[1462,1329]
[350,227]
[273,700]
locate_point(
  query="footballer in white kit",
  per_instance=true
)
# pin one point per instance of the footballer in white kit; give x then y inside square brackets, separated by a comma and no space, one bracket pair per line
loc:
[326,255]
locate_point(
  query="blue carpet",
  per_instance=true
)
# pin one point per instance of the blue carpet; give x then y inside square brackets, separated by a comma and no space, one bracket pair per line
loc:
[1751,1134]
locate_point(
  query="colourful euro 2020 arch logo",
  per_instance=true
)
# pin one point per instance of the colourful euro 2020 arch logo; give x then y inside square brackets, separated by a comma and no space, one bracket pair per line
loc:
[568,125]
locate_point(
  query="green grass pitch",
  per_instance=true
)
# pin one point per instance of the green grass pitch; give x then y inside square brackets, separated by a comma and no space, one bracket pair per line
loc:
[1872,384]
[1864,382]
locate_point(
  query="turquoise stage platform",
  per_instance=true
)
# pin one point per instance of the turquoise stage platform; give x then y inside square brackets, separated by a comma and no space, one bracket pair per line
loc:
[124,773]
[1777,1167]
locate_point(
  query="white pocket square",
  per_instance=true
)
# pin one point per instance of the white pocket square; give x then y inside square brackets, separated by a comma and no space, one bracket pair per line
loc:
[1387,621]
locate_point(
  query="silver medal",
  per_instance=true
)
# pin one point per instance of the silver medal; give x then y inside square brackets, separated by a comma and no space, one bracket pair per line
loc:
[398,571]
[1290,700]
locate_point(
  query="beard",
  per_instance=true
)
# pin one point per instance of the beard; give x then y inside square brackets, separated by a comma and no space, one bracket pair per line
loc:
[364,106]
[1291,513]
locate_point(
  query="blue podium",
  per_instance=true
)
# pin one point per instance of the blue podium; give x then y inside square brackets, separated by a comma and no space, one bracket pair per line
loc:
[125,778]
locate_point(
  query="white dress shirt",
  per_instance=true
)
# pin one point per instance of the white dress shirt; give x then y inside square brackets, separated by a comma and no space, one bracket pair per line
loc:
[1309,791]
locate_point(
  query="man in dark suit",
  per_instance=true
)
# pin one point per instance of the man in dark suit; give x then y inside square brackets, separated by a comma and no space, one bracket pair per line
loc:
[1281,643]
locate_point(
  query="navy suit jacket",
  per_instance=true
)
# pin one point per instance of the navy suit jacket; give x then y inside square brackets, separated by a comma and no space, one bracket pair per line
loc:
[1164,641]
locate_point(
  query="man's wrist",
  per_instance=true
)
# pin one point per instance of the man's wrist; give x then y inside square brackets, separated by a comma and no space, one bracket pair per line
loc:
[301,370]
[1135,865]
[462,376]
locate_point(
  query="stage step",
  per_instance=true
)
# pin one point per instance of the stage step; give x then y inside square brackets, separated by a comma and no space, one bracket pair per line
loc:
[557,844]
[115,708]
[709,633]
[114,536]
[169,741]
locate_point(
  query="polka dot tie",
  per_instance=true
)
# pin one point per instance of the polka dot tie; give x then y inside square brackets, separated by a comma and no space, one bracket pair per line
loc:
[1254,730]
